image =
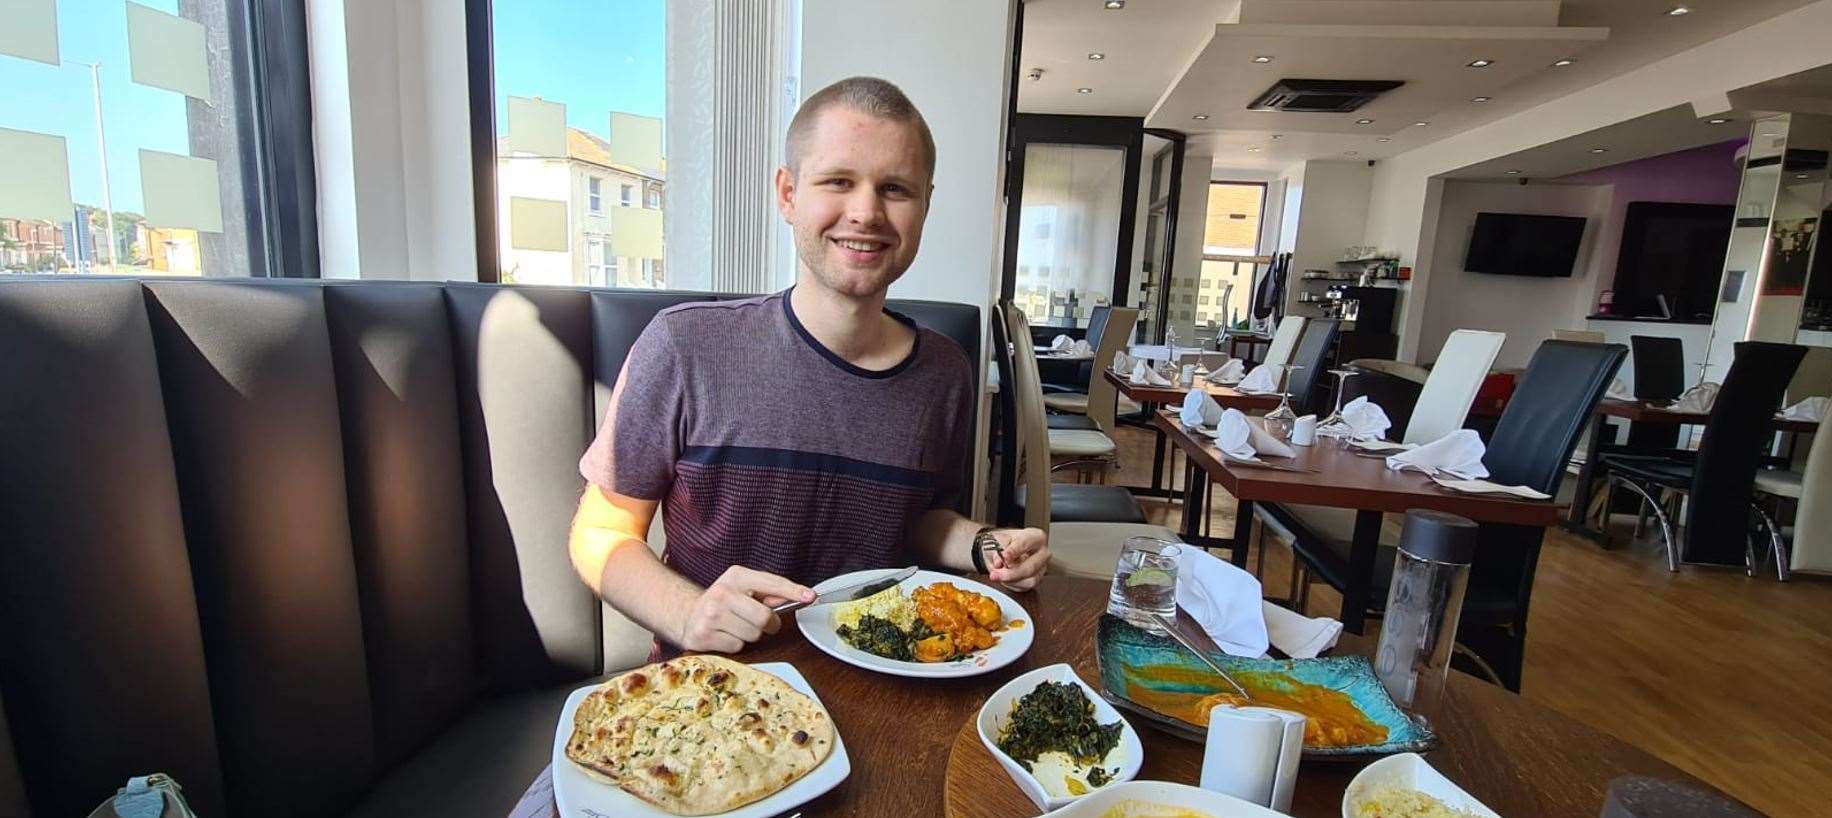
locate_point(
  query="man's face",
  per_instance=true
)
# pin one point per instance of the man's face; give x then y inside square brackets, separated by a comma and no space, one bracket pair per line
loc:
[858,202]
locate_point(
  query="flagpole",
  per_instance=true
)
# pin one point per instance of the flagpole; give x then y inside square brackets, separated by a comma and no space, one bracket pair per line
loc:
[101,145]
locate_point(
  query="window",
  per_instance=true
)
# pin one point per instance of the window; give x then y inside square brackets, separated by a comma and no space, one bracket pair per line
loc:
[187,166]
[652,198]
[600,265]
[594,201]
[1068,228]
[629,195]
[1230,242]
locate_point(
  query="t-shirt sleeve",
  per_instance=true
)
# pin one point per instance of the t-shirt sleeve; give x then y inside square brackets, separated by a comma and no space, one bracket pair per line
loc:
[958,431]
[640,439]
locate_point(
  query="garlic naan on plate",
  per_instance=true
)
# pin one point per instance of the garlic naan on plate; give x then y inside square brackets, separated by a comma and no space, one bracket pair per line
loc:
[700,734]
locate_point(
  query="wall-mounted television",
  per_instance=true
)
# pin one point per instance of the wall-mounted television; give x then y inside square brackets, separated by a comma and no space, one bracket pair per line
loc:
[1517,244]
[1671,259]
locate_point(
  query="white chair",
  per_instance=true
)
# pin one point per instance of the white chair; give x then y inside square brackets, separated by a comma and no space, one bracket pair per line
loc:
[1451,387]
[1102,400]
[1811,489]
[1076,549]
[1284,340]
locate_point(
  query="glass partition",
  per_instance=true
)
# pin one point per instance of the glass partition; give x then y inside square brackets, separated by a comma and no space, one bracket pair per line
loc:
[1068,231]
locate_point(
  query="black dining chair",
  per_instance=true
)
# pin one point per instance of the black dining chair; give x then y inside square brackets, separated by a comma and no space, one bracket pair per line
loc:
[1312,351]
[1720,476]
[1660,377]
[1069,502]
[1534,437]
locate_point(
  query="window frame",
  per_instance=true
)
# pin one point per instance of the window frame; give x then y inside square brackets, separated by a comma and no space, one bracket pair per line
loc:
[627,197]
[594,193]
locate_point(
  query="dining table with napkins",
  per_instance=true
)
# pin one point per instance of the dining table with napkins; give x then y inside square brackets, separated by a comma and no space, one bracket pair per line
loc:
[1240,457]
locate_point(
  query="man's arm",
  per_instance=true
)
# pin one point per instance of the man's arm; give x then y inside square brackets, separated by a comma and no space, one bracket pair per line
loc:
[609,551]
[944,537]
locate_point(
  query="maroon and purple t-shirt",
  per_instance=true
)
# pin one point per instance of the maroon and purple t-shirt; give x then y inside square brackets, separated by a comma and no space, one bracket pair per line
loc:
[767,450]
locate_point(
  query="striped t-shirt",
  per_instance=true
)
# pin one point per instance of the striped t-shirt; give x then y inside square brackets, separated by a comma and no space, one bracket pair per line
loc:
[769,451]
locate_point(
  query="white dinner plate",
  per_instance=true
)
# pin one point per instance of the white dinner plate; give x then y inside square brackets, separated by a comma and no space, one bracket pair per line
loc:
[579,795]
[816,623]
[1162,794]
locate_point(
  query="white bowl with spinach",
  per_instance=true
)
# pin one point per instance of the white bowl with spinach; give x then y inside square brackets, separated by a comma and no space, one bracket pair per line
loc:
[1050,726]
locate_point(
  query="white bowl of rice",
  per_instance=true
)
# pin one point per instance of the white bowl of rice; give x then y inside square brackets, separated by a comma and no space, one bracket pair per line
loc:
[1404,786]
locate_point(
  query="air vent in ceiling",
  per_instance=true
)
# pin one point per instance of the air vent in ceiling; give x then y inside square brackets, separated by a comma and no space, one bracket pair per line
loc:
[1321,96]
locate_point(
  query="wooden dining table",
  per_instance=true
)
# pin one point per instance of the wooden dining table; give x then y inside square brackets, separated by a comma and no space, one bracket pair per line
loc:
[915,751]
[1337,477]
[1153,398]
[1636,411]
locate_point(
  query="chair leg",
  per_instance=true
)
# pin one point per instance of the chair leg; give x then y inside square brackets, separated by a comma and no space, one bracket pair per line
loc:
[1641,520]
[1775,545]
[1259,546]
[1660,515]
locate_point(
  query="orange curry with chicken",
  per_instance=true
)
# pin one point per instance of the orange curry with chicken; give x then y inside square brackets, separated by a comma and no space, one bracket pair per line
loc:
[963,622]
[1331,718]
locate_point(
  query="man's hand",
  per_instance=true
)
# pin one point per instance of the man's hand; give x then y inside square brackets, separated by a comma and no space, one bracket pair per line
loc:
[735,610]
[1026,555]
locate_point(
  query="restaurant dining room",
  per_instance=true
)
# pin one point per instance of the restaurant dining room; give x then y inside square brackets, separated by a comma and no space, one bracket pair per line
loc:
[955,408]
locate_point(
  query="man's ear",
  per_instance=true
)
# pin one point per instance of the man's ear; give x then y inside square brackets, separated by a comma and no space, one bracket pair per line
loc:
[785,193]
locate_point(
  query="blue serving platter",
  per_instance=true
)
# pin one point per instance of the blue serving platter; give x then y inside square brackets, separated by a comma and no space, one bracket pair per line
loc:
[1138,669]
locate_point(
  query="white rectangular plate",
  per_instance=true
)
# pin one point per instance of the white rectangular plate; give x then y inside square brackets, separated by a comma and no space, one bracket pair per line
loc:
[581,796]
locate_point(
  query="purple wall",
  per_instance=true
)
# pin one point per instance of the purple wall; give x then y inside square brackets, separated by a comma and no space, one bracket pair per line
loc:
[1706,175]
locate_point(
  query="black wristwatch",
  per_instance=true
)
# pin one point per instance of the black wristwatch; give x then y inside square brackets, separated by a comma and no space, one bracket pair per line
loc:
[983,540]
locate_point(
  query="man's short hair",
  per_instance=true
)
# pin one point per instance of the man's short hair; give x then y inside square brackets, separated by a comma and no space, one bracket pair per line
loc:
[867,95]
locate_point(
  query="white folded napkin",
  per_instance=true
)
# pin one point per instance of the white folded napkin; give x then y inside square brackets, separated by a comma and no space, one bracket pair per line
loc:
[1490,487]
[1081,348]
[1299,636]
[1144,375]
[1200,409]
[1122,363]
[1224,600]
[1238,437]
[1619,391]
[1232,371]
[1458,454]
[1362,419]
[1813,409]
[1260,379]
[1698,399]
[1062,342]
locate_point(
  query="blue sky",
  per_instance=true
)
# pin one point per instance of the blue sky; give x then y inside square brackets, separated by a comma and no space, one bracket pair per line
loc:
[594,55]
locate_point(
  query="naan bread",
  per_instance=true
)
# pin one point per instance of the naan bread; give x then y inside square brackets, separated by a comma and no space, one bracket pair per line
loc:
[700,734]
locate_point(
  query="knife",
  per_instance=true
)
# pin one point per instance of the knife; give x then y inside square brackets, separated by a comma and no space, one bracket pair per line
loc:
[850,593]
[1176,633]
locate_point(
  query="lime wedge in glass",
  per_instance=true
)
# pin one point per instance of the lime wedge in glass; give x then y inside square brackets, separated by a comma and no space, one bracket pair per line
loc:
[1148,576]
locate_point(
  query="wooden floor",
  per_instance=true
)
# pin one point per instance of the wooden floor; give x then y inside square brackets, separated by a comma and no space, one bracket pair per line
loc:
[1726,677]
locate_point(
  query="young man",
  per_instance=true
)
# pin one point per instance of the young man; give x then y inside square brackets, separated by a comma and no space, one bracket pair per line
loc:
[802,435]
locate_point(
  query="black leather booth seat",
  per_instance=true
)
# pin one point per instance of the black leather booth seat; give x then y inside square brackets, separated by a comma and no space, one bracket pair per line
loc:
[302,545]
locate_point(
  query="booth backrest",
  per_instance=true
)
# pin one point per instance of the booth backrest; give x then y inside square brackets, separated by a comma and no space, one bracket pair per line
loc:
[270,537]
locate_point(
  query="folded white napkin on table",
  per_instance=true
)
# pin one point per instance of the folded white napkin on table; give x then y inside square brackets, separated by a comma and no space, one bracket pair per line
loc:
[1233,370]
[1299,636]
[1081,348]
[1362,419]
[1122,363]
[1619,391]
[1200,409]
[1061,343]
[1260,379]
[1144,375]
[1236,436]
[1813,409]
[1697,399]
[1458,454]
[1224,600]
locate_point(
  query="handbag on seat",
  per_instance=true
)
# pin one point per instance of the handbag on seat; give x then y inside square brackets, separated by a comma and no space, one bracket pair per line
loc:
[146,796]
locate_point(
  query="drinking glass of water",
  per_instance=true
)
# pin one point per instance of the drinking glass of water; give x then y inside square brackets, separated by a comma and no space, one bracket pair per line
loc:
[1145,582]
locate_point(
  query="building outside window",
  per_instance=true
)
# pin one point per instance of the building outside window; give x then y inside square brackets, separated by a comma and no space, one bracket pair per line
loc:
[129,143]
[629,196]
[594,196]
[1230,243]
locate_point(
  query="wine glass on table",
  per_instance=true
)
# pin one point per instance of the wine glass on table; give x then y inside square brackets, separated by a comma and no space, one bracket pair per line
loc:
[1343,374]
